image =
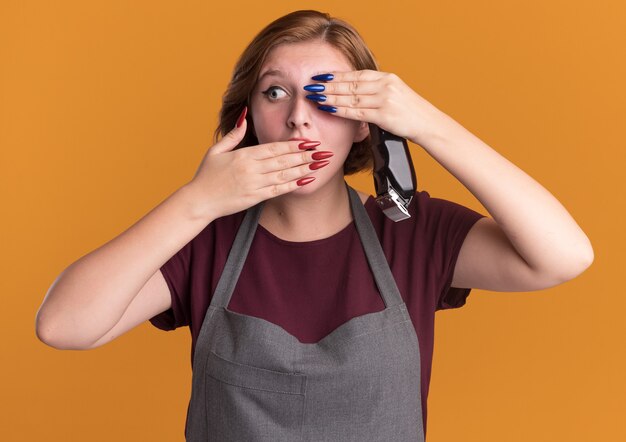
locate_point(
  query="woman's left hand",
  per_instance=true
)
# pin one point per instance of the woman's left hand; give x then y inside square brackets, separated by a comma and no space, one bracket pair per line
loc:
[383,99]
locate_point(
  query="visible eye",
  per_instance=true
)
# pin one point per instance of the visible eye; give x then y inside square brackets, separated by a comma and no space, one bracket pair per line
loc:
[270,94]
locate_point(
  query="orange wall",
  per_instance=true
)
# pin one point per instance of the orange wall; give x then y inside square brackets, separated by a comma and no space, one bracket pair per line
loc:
[106,108]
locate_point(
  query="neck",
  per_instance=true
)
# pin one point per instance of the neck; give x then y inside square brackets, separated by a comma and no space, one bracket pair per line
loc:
[308,216]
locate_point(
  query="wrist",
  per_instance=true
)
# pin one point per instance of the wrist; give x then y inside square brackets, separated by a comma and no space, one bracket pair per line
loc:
[437,127]
[196,205]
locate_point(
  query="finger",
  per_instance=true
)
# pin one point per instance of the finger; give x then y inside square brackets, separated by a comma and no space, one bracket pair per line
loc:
[234,137]
[289,160]
[357,100]
[362,75]
[360,87]
[275,190]
[292,174]
[271,150]
[351,82]
[357,113]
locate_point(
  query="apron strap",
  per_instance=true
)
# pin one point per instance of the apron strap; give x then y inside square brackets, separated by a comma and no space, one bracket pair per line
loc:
[374,252]
[236,257]
[371,245]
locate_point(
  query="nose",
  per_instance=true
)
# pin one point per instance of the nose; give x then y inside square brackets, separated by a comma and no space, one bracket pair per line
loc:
[300,112]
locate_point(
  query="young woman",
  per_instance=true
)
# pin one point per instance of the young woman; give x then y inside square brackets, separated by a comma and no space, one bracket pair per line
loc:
[311,312]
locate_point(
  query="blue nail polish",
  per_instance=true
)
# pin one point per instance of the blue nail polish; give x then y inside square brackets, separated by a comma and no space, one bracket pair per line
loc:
[314,87]
[316,97]
[323,77]
[323,107]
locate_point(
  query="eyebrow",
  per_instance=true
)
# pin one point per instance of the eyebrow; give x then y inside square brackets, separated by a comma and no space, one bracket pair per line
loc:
[279,73]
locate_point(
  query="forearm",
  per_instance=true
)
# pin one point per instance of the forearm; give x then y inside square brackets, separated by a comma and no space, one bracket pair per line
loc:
[535,222]
[92,294]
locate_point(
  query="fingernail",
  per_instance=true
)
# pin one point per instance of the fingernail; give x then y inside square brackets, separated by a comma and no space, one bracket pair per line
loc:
[323,77]
[316,97]
[314,87]
[327,108]
[242,116]
[322,155]
[318,165]
[308,145]
[303,181]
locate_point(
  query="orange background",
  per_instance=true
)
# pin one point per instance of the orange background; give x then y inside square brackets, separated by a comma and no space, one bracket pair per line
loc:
[106,108]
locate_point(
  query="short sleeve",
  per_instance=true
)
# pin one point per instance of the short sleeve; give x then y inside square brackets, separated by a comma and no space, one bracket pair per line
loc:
[448,225]
[176,272]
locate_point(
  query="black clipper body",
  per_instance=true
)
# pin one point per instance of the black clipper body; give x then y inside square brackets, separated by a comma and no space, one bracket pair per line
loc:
[394,175]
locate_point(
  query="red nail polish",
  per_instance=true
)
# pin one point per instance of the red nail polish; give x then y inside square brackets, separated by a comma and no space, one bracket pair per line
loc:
[308,145]
[318,165]
[242,116]
[303,181]
[322,155]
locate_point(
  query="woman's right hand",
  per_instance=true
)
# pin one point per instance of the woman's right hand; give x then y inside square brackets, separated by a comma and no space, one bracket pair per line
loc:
[229,181]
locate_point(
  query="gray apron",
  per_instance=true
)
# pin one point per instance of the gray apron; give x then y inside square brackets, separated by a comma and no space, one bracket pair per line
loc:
[253,381]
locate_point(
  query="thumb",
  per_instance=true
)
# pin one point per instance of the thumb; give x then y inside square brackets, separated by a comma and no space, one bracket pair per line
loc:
[232,138]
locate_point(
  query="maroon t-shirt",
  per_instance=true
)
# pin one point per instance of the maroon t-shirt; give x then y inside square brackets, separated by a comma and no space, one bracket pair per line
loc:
[311,288]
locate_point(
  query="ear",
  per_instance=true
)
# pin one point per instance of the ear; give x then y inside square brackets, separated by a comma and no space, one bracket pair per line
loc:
[362,132]
[251,120]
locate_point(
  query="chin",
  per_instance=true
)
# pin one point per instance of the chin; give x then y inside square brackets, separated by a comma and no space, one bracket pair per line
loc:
[308,188]
[321,180]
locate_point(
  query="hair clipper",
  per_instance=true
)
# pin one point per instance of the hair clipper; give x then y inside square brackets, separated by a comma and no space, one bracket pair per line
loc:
[394,176]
